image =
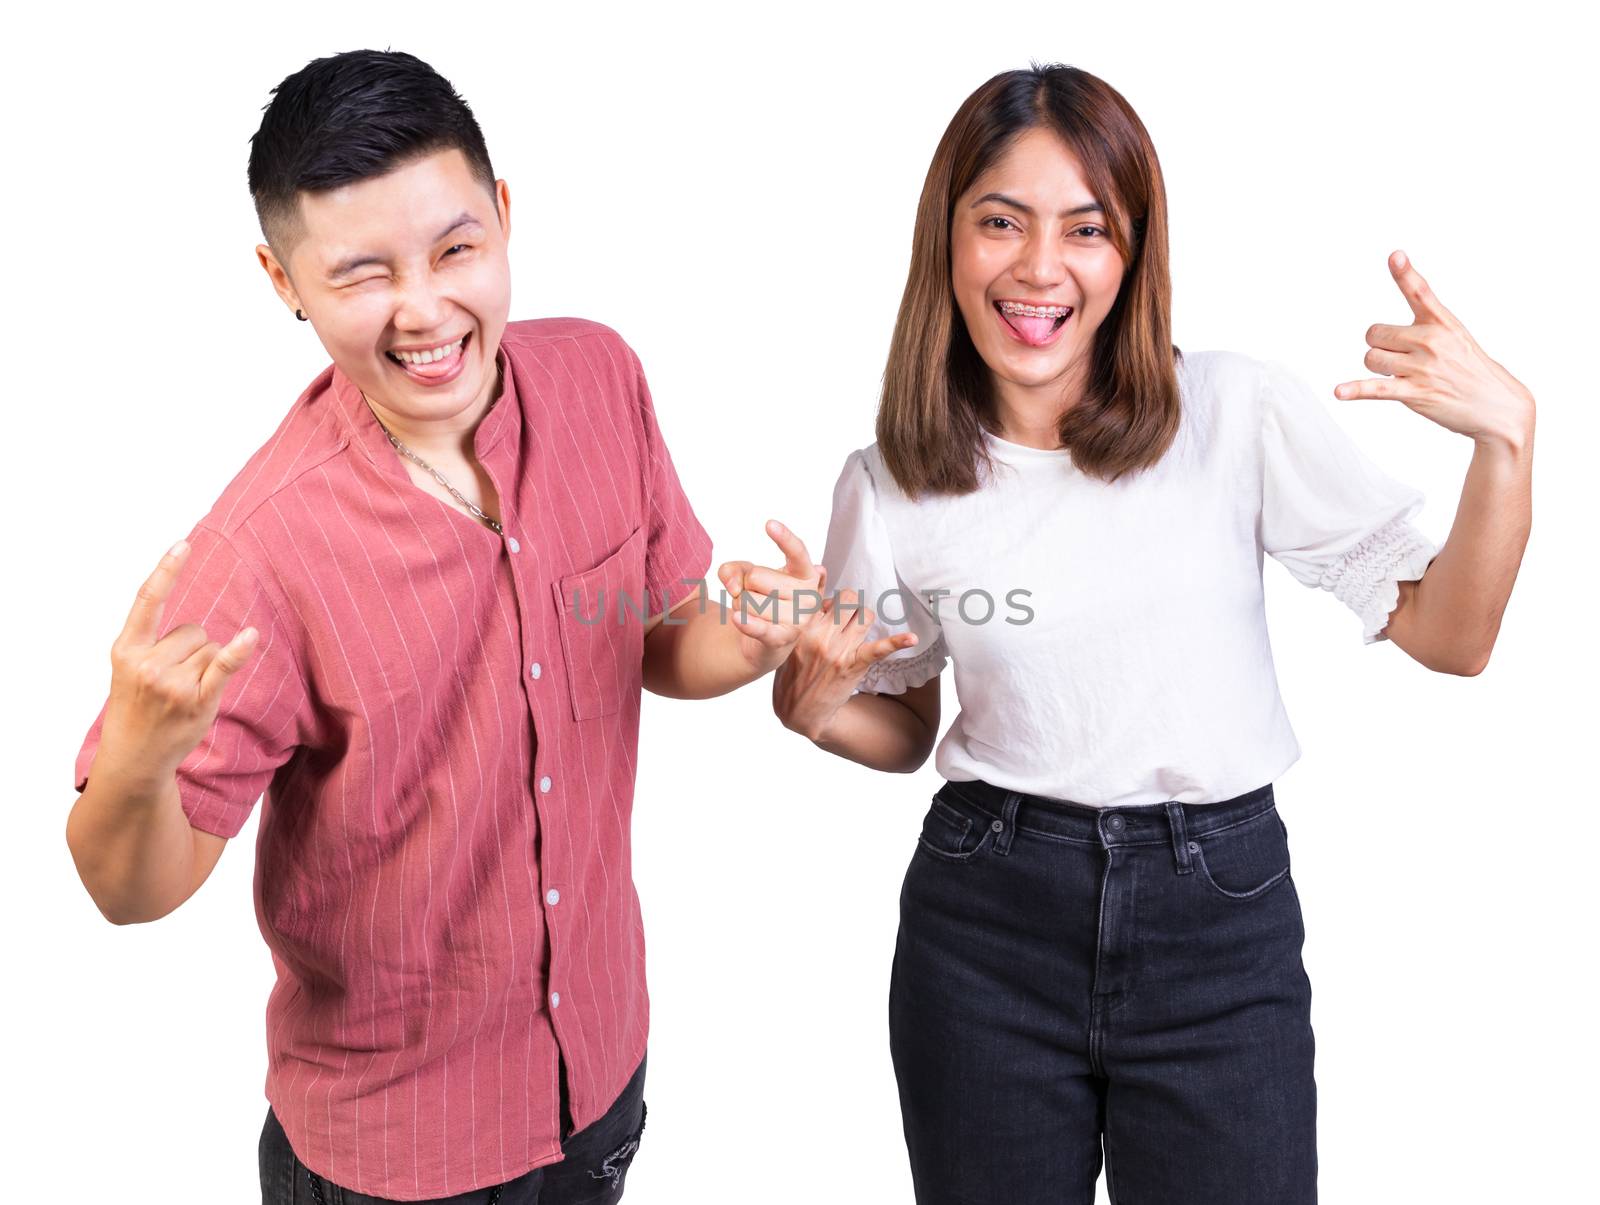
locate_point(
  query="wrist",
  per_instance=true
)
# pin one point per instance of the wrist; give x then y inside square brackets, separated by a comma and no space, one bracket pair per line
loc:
[129,775]
[762,658]
[1515,444]
[806,724]
[824,728]
[1512,426]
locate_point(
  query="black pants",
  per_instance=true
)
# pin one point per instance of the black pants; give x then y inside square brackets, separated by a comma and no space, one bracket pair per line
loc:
[1072,982]
[596,1163]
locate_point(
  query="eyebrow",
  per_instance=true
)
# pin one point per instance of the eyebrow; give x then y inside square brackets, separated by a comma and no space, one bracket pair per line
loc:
[1091,207]
[350,263]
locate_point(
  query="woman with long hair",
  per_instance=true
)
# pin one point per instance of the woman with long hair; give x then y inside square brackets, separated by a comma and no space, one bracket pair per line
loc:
[1099,954]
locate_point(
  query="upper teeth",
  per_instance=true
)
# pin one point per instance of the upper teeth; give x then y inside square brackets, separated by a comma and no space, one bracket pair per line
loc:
[429,356]
[1035,311]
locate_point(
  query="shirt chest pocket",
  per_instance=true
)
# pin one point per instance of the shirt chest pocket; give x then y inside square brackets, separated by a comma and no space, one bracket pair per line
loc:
[599,614]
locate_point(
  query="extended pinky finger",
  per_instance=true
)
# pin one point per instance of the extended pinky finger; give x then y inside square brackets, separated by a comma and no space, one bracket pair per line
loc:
[877,650]
[1385,387]
[228,660]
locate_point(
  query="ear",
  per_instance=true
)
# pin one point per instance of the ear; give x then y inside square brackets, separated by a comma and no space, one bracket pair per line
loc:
[278,275]
[502,203]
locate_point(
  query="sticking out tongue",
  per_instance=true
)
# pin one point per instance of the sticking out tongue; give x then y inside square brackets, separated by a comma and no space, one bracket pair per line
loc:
[1034,331]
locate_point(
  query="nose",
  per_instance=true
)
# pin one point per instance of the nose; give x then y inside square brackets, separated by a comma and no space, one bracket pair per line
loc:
[1040,263]
[420,306]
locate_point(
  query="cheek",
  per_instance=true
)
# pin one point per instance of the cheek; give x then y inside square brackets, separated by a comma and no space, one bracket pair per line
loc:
[493,292]
[971,273]
[1108,281]
[961,273]
[356,323]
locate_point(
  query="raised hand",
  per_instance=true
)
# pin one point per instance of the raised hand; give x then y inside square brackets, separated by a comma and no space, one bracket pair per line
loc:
[771,605]
[831,656]
[1437,368]
[164,693]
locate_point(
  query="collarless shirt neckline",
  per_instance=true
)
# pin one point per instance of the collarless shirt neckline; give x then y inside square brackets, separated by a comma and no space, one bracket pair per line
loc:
[363,430]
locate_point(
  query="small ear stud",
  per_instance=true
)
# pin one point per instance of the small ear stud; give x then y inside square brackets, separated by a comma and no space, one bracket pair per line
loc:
[300,315]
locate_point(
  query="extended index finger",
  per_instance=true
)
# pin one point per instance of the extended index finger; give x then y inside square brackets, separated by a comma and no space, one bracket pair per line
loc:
[796,559]
[1424,303]
[144,619]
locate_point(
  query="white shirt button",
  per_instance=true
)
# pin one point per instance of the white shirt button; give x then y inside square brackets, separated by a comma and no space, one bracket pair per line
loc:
[544,783]
[536,669]
[555,999]
[511,543]
[552,896]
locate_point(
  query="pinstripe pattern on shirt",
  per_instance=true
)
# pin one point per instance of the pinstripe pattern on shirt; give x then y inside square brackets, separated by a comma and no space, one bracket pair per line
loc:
[444,737]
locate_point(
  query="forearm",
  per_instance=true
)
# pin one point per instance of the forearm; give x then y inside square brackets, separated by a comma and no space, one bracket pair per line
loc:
[877,731]
[696,652]
[132,844]
[1455,609]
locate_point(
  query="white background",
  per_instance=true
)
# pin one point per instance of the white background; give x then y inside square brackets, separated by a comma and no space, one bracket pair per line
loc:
[733,190]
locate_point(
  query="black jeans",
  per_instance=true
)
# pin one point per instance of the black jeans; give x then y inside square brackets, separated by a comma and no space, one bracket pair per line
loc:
[1071,983]
[596,1163]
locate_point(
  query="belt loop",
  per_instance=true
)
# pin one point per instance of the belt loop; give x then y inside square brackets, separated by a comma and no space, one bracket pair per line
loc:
[1180,837]
[1007,823]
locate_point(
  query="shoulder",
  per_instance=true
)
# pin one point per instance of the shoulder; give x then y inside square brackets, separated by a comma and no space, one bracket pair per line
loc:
[1236,373]
[591,354]
[866,484]
[307,437]
[864,473]
[533,334]
[1224,392]
[869,461]
[1218,372]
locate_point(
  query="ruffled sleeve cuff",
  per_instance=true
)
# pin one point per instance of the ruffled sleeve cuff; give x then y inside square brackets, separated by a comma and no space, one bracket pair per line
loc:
[894,675]
[1367,578]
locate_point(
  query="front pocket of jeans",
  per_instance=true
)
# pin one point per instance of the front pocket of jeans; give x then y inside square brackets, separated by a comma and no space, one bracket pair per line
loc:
[948,835]
[1244,861]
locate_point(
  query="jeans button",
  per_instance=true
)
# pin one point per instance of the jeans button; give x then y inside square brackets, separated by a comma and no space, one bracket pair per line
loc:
[1115,823]
[998,825]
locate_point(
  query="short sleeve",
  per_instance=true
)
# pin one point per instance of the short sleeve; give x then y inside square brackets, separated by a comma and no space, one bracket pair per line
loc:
[677,549]
[858,557]
[264,713]
[1328,514]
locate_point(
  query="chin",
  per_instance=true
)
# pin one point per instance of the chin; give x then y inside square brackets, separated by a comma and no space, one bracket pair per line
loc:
[1034,376]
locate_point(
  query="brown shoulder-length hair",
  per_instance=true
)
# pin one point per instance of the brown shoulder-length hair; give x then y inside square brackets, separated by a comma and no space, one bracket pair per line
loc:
[937,391]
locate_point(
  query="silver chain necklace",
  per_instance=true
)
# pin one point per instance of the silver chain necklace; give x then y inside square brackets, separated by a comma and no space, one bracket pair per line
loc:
[437,475]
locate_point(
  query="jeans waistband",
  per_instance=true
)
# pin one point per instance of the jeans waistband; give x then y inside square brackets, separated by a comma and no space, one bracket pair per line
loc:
[1138,824]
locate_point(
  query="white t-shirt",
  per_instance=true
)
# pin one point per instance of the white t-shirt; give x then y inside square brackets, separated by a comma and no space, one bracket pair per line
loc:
[1110,640]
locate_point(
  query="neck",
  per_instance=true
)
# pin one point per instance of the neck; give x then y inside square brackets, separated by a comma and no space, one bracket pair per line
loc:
[1029,430]
[1031,415]
[444,438]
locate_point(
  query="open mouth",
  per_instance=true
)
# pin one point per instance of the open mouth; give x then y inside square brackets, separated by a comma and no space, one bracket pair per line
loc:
[433,365]
[1034,325]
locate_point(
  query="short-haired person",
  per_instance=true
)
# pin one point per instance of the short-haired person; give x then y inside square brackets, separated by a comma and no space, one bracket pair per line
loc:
[1099,952]
[416,620]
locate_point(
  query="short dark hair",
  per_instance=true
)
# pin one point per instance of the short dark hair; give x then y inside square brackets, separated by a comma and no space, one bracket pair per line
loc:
[350,117]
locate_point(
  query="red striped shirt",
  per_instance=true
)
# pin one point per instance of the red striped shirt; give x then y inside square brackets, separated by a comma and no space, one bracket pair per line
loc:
[443,869]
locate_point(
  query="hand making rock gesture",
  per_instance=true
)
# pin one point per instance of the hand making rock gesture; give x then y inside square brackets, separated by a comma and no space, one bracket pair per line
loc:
[1436,367]
[164,693]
